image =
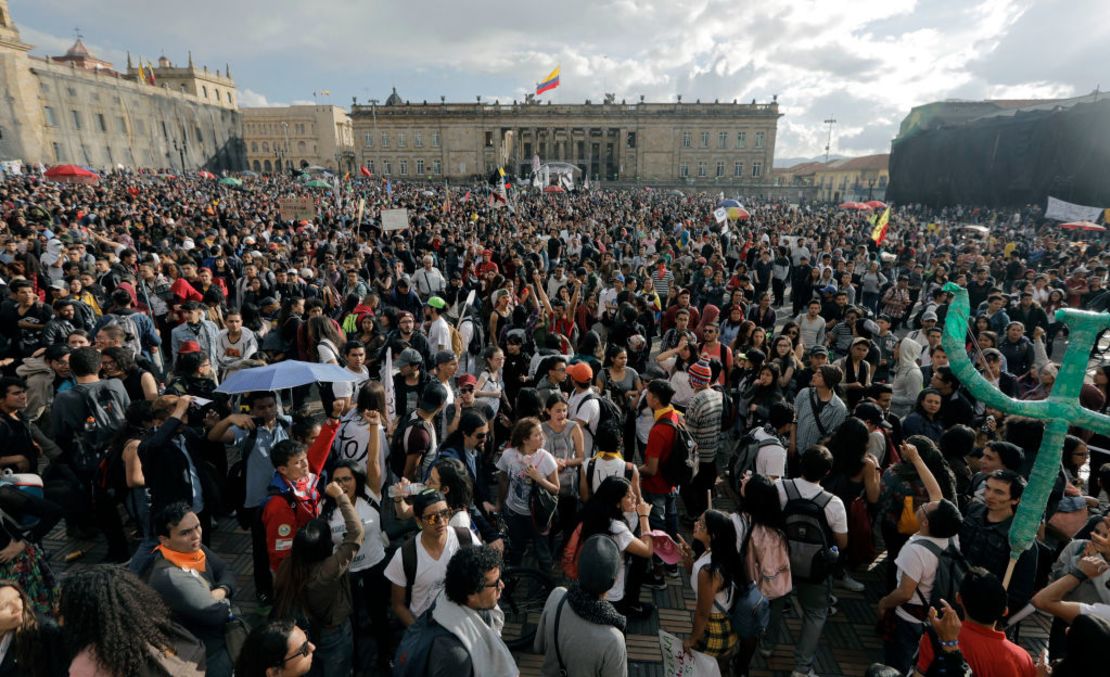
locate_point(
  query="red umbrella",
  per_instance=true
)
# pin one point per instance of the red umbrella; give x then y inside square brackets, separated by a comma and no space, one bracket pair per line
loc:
[554,189]
[859,206]
[205,174]
[742,214]
[71,174]
[876,204]
[1083,225]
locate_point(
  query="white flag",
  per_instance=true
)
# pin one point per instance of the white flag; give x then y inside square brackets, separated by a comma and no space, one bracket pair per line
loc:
[387,383]
[721,214]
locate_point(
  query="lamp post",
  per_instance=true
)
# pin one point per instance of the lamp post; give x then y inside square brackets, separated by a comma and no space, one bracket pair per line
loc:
[828,141]
[870,188]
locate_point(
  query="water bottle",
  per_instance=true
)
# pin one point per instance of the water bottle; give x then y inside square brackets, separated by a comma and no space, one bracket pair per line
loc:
[834,554]
[397,491]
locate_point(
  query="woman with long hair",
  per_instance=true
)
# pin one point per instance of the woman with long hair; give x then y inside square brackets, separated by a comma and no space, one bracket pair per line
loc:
[116,625]
[526,467]
[313,584]
[621,381]
[713,575]
[760,522]
[925,417]
[782,355]
[743,335]
[276,649]
[566,443]
[730,325]
[33,640]
[138,421]
[605,513]
[119,363]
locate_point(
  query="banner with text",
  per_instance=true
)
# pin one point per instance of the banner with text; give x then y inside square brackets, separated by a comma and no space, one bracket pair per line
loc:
[297,208]
[1066,211]
[395,219]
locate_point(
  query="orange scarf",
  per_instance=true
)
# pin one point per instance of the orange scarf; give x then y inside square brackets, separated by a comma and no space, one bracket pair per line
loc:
[186,560]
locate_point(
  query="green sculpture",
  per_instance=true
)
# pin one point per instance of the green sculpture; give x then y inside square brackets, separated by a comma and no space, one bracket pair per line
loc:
[1060,411]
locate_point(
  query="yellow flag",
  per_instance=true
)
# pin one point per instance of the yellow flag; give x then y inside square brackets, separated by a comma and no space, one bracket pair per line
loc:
[878,233]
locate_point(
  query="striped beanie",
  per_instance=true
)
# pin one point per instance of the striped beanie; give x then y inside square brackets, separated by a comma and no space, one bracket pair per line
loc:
[700,374]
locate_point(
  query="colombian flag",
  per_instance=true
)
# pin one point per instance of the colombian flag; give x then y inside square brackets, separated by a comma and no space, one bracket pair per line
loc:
[549,83]
[878,233]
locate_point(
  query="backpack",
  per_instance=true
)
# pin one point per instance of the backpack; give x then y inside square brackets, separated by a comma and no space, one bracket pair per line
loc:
[607,410]
[678,467]
[951,567]
[411,659]
[28,484]
[235,494]
[456,340]
[104,419]
[476,345]
[399,447]
[808,534]
[408,558]
[131,336]
[570,554]
[745,455]
[771,572]
[628,468]
[728,409]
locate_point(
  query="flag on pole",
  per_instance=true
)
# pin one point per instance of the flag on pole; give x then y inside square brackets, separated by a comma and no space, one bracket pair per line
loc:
[387,382]
[150,74]
[878,233]
[549,83]
[142,74]
[364,171]
[447,199]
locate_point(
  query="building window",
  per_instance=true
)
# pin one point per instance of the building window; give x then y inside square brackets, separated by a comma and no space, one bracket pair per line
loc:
[229,97]
[705,139]
[418,139]
[387,168]
[720,168]
[385,140]
[71,91]
[76,117]
[101,123]
[257,166]
[437,168]
[684,170]
[57,152]
[108,154]
[759,136]
[266,166]
[701,170]
[404,167]
[420,168]
[401,140]
[489,139]
[631,140]
[741,139]
[214,91]
[370,166]
[722,140]
[685,139]
[302,147]
[204,88]
[435,139]
[200,137]
[121,125]
[51,119]
[265,146]
[254,147]
[368,139]
[86,155]
[757,170]
[738,169]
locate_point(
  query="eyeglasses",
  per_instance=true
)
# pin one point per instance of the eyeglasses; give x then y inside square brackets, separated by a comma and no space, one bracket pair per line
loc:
[441,516]
[304,651]
[495,584]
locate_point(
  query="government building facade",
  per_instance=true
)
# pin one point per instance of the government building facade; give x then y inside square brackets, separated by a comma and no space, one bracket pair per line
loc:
[78,109]
[691,143]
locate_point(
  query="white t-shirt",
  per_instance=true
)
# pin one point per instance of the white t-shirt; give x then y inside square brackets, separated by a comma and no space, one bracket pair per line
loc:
[770,461]
[835,514]
[622,536]
[513,464]
[588,412]
[430,572]
[374,540]
[439,336]
[349,388]
[920,564]
[1096,609]
[327,352]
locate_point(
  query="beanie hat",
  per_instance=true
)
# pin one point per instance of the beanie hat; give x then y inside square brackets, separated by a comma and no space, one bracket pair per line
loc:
[599,561]
[700,374]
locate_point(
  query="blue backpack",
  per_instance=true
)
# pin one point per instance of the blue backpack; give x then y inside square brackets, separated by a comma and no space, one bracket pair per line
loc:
[411,659]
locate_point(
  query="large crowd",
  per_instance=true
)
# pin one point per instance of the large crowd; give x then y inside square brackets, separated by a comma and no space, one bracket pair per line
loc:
[575,383]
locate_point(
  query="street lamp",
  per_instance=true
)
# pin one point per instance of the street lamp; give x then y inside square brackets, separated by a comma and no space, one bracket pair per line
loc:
[828,141]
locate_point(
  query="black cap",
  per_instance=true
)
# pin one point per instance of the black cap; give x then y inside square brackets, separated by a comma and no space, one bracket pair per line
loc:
[870,412]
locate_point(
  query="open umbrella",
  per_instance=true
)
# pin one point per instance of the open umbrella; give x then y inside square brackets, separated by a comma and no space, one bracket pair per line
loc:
[875,204]
[857,206]
[317,183]
[729,203]
[247,172]
[287,374]
[205,174]
[71,174]
[553,189]
[231,181]
[738,214]
[1083,225]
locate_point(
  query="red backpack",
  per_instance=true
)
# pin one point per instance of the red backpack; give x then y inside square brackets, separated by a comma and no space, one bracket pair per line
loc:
[570,554]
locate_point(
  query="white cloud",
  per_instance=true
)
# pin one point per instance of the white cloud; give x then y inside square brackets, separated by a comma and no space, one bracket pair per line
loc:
[864,62]
[248,98]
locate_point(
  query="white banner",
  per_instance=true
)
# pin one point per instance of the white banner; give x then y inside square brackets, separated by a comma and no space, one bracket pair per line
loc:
[721,214]
[679,663]
[1066,211]
[395,219]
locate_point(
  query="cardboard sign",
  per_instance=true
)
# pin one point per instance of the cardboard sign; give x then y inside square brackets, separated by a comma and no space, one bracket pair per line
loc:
[297,208]
[721,214]
[395,219]
[679,663]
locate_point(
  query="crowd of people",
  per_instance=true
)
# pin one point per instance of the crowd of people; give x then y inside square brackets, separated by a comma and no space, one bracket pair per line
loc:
[576,382]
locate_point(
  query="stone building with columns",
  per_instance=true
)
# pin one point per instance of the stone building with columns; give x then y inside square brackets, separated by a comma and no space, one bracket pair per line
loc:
[700,143]
[77,108]
[298,136]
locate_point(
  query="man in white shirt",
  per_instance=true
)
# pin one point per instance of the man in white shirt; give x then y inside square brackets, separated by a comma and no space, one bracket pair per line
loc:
[607,300]
[439,332]
[429,280]
[583,406]
[354,353]
[770,460]
[559,279]
[817,462]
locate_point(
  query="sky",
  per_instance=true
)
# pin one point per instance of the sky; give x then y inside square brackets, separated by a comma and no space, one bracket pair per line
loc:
[864,63]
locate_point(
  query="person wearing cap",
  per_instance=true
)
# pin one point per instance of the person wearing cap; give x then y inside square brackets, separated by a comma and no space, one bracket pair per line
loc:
[583,403]
[579,625]
[428,280]
[928,321]
[419,435]
[439,332]
[816,357]
[195,328]
[409,381]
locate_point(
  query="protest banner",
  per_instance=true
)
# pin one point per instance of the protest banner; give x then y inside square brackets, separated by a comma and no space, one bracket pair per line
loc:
[395,219]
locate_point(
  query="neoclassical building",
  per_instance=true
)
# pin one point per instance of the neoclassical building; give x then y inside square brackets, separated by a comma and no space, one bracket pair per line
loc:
[699,143]
[298,136]
[77,108]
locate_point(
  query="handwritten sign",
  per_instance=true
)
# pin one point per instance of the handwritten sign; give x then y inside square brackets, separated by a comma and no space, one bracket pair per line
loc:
[395,219]
[297,208]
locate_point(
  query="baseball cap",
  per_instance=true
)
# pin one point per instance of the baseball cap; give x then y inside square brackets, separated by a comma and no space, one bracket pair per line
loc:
[187,347]
[445,356]
[928,315]
[871,413]
[437,302]
[580,372]
[409,356]
[819,350]
[664,547]
[58,284]
[466,380]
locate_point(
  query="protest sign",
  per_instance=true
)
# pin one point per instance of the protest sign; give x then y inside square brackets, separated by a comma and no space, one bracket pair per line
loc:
[297,208]
[395,219]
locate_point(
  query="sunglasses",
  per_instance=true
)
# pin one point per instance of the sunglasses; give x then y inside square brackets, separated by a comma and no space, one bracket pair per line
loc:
[304,651]
[481,436]
[441,516]
[466,389]
[495,584]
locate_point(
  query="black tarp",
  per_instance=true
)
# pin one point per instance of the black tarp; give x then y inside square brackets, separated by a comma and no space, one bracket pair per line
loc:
[1008,160]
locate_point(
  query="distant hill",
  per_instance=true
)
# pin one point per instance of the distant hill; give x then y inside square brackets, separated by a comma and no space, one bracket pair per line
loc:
[784,162]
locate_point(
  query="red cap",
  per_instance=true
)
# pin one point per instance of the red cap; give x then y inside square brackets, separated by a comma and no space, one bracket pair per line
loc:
[188,347]
[467,380]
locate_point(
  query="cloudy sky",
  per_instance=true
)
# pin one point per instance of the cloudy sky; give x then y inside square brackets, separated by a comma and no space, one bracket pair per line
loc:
[863,62]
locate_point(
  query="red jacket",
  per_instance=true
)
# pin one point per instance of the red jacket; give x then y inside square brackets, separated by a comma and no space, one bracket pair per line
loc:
[286,511]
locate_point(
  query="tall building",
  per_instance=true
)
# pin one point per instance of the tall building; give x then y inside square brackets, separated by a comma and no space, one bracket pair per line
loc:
[298,136]
[76,108]
[696,143]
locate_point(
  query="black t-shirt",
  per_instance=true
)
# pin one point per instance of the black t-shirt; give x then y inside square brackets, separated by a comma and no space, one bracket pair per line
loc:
[24,341]
[15,440]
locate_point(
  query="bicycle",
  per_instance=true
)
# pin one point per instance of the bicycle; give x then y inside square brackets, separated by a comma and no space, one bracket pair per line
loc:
[522,600]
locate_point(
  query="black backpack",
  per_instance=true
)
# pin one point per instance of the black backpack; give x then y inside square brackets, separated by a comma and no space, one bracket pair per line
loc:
[745,455]
[607,410]
[398,449]
[104,418]
[951,567]
[411,659]
[728,409]
[679,466]
[808,535]
[476,345]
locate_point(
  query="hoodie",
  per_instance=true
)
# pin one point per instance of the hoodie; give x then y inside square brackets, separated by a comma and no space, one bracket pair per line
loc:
[908,381]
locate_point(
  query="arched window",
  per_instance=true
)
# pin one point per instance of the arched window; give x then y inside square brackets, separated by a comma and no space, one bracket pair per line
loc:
[204,88]
[266,166]
[216,92]
[265,146]
[254,146]
[257,166]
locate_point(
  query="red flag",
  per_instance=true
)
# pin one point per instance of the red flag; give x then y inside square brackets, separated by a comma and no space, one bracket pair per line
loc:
[364,171]
[466,198]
